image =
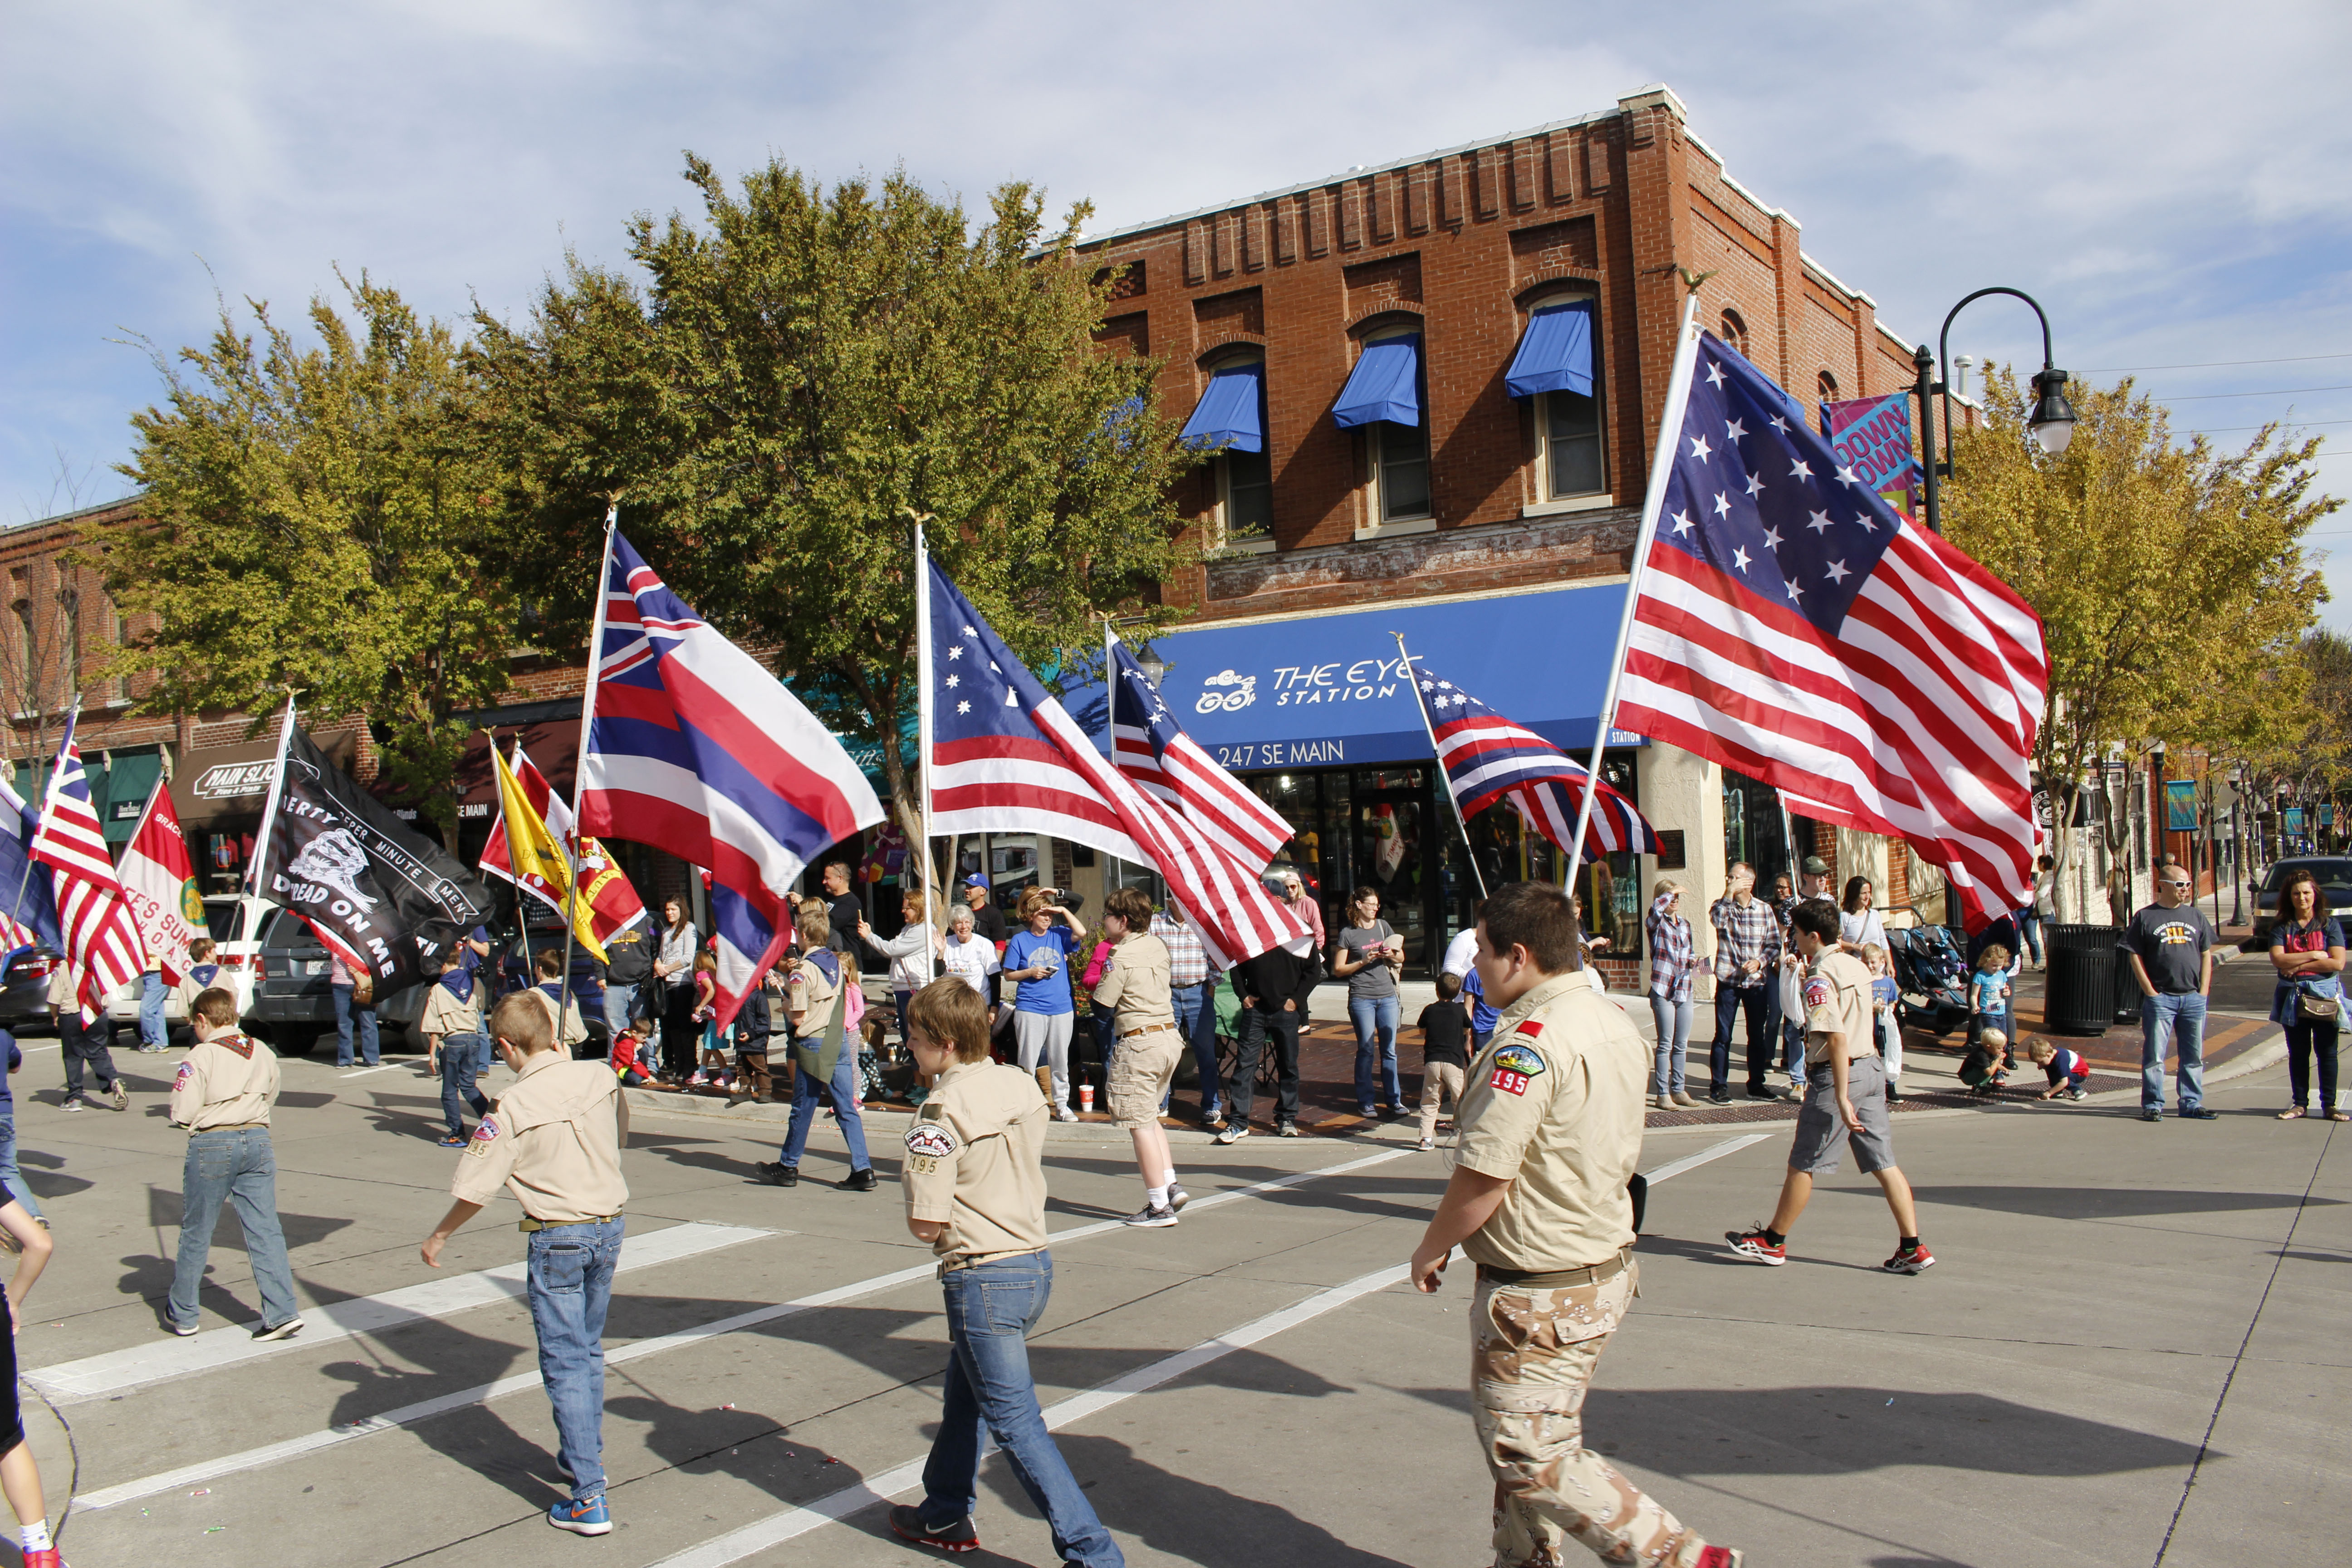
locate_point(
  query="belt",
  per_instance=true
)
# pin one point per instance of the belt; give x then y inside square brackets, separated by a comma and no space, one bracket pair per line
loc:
[1557,1280]
[239,1127]
[527,1223]
[974,1260]
[1147,1029]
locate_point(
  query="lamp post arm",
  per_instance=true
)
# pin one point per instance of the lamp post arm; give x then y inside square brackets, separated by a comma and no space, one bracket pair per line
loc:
[1944,354]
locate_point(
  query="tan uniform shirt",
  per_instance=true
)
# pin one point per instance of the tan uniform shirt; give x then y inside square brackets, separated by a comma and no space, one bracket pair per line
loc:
[975,1163]
[572,1030]
[811,994]
[444,1015]
[61,988]
[1554,1105]
[1837,1001]
[554,1140]
[1135,981]
[225,1081]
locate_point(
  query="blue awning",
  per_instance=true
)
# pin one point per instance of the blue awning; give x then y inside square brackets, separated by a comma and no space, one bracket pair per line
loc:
[1309,690]
[1227,414]
[1385,385]
[1556,353]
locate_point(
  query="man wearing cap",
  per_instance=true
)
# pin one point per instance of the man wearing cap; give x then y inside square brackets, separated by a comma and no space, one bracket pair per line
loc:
[986,917]
[1135,985]
[1550,1132]
[555,1140]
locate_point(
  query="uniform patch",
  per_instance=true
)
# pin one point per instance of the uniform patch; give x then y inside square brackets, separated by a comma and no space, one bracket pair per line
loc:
[932,1140]
[1507,1081]
[1817,993]
[241,1044]
[484,1136]
[180,1079]
[1520,1059]
[921,1165]
[1529,1027]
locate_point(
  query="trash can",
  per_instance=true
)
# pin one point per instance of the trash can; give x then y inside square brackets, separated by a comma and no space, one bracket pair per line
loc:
[2082,995]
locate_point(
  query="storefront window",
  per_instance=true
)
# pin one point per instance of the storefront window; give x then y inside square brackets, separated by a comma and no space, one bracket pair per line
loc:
[1752,829]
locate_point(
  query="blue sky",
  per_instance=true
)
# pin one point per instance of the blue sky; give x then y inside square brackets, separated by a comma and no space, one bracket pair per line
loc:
[2170,180]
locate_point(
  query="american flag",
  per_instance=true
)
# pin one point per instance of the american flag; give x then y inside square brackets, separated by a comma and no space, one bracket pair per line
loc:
[694,748]
[1791,625]
[1487,758]
[1152,749]
[100,938]
[1007,758]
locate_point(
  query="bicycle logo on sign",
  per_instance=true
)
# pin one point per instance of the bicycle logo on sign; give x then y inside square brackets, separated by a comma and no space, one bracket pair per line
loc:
[1241,691]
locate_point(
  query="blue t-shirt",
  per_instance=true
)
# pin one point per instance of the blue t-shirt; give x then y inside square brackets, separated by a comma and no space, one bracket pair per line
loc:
[7,1095]
[1883,993]
[1482,1017]
[1985,992]
[1027,949]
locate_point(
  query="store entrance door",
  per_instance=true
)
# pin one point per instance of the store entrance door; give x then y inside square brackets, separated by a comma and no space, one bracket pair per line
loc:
[1396,856]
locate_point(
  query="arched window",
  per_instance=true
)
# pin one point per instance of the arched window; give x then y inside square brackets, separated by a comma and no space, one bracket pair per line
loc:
[1827,387]
[1733,331]
[1398,453]
[1569,449]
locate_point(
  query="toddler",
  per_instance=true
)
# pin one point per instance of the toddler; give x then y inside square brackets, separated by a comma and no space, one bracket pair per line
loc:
[2065,1069]
[1983,1070]
[630,1052]
[713,1069]
[1445,1053]
[1883,997]
[1988,997]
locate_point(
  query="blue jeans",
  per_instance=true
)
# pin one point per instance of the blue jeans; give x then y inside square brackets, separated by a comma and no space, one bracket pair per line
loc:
[1674,1021]
[151,1009]
[570,1285]
[1375,1018]
[1731,1003]
[2029,931]
[233,1165]
[991,1307]
[2161,1018]
[1196,1016]
[459,1053]
[13,1180]
[620,999]
[348,1013]
[843,1092]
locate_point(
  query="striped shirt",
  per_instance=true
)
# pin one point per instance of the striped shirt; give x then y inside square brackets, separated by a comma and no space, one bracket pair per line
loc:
[1743,933]
[1673,956]
[1188,960]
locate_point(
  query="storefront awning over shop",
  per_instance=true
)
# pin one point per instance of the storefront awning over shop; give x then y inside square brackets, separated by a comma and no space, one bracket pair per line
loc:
[1556,352]
[225,787]
[1227,414]
[122,795]
[1385,385]
[1319,691]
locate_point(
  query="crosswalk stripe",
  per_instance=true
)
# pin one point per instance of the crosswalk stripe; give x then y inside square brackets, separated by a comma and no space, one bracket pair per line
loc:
[161,1361]
[778,1527]
[424,1410]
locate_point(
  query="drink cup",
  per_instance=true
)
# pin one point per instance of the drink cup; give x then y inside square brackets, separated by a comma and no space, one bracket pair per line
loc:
[1086,1098]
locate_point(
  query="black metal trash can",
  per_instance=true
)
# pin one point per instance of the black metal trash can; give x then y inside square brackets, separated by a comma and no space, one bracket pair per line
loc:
[2082,992]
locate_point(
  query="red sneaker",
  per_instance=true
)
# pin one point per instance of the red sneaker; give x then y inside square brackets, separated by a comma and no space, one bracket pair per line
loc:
[1910,1260]
[47,1557]
[1751,1245]
[1720,1557]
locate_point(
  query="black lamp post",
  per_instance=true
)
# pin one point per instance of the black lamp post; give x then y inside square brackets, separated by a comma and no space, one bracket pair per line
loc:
[2052,423]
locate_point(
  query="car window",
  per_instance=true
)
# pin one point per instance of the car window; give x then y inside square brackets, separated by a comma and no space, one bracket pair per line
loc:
[2335,875]
[220,920]
[287,930]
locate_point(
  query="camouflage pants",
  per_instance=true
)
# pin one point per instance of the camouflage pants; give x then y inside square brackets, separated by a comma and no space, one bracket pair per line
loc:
[1531,1359]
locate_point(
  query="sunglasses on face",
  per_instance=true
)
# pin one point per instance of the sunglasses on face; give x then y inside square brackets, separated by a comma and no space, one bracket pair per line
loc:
[2174,882]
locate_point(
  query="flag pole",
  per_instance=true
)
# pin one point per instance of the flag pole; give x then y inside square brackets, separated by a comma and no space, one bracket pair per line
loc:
[1662,468]
[1460,821]
[514,877]
[25,878]
[579,764]
[259,888]
[923,732]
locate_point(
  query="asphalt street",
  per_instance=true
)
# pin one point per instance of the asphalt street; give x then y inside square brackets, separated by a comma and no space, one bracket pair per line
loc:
[2131,1351]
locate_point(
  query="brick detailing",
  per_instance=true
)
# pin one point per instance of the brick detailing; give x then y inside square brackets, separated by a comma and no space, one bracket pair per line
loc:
[1374,286]
[1287,214]
[1416,198]
[1222,316]
[1452,561]
[1380,206]
[1196,251]
[1523,175]
[1549,247]
[1253,240]
[1596,163]
[1316,209]
[1351,216]
[1486,199]
[1128,284]
[1130,334]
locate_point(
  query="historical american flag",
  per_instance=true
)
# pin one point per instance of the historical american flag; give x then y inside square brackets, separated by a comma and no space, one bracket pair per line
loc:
[1791,625]
[29,917]
[100,938]
[1007,758]
[1487,758]
[694,748]
[1152,749]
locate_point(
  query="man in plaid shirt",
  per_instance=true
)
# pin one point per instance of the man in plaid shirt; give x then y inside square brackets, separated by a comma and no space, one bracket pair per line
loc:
[1195,1003]
[1746,967]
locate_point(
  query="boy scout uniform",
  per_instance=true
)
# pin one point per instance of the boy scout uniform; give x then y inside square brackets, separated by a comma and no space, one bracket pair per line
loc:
[570,1030]
[1554,1105]
[225,1083]
[222,1094]
[1135,982]
[1836,994]
[975,1163]
[444,1014]
[552,1138]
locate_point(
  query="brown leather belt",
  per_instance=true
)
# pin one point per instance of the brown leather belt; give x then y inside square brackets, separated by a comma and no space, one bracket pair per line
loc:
[526,1225]
[1555,1279]
[1147,1029]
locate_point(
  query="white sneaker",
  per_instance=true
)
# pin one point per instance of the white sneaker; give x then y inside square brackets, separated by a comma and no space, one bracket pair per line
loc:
[1178,1197]
[1233,1133]
[1426,1146]
[1150,1218]
[1064,1113]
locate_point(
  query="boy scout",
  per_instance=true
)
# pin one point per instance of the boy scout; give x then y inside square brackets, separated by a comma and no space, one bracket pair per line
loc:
[548,962]
[822,1065]
[451,1023]
[222,1095]
[1550,1130]
[1135,982]
[1845,1103]
[555,1140]
[83,1043]
[975,1184]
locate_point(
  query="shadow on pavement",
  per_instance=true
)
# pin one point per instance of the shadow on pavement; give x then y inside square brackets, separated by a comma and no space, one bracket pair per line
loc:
[2109,1203]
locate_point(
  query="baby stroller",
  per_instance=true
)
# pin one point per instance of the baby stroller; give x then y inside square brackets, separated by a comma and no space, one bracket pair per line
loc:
[1931,977]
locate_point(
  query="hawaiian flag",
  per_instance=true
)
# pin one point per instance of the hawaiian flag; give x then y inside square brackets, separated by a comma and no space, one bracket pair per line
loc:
[1152,749]
[1007,758]
[1791,624]
[694,748]
[100,938]
[1487,758]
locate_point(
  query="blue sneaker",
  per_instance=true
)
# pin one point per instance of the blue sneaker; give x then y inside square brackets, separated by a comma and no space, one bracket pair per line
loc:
[582,1516]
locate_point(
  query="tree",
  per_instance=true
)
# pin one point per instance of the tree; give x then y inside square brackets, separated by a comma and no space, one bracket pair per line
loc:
[799,376]
[2170,579]
[313,518]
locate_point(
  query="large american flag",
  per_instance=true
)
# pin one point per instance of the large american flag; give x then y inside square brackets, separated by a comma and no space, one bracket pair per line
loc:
[1487,758]
[1153,750]
[1007,758]
[99,937]
[1791,625]
[694,748]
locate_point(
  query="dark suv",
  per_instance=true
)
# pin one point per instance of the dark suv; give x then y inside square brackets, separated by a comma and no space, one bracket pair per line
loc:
[291,1003]
[2334,874]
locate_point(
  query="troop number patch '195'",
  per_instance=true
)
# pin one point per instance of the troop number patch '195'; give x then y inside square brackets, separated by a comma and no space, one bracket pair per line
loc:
[930,1140]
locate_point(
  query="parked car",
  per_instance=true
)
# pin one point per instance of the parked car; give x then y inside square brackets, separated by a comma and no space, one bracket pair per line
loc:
[291,1004]
[25,988]
[507,972]
[231,921]
[2334,875]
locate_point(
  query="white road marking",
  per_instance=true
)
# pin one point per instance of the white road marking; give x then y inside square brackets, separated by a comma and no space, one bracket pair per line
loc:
[162,1360]
[778,1527]
[459,1399]
[1692,1161]
[341,1077]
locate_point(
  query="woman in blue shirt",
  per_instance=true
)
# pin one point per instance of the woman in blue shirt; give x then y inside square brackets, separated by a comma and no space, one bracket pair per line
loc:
[1038,957]
[2307,951]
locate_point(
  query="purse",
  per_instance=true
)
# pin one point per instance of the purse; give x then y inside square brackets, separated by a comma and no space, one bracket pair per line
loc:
[2310,1009]
[363,987]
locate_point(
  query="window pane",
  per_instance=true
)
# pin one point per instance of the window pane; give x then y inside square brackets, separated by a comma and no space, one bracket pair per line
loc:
[1572,443]
[1249,495]
[1404,472]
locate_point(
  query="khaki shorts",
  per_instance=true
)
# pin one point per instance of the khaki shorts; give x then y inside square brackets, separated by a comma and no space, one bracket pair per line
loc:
[1821,1133]
[1141,1068]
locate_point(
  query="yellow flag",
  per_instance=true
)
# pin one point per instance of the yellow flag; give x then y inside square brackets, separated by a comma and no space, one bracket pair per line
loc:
[538,860]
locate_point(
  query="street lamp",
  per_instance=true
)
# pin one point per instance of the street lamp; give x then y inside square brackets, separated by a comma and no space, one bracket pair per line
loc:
[2051,423]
